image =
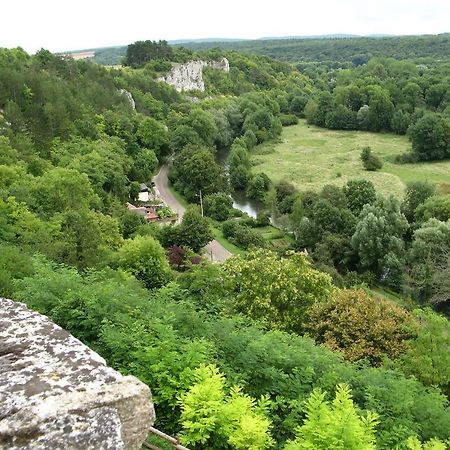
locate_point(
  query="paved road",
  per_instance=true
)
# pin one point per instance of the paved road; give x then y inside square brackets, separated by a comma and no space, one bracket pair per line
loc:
[214,250]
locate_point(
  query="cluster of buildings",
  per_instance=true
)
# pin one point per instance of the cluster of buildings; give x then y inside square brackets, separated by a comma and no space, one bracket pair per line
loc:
[149,206]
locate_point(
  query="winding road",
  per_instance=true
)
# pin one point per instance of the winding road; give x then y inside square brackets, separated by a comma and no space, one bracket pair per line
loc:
[215,251]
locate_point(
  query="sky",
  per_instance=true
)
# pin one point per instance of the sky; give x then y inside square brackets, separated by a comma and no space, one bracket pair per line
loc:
[60,25]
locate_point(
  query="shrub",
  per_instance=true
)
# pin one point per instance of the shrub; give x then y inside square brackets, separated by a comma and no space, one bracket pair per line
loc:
[288,119]
[370,161]
[361,326]
[241,235]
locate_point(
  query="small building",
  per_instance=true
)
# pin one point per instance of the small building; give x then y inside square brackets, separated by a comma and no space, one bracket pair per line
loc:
[144,193]
[148,211]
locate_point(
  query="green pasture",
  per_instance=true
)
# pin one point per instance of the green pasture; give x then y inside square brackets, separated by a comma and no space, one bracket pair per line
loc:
[311,157]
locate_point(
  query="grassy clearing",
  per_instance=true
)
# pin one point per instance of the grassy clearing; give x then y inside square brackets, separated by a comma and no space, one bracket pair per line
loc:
[219,237]
[311,157]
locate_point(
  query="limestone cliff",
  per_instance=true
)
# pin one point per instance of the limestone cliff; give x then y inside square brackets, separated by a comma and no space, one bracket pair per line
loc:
[189,76]
[129,98]
[56,393]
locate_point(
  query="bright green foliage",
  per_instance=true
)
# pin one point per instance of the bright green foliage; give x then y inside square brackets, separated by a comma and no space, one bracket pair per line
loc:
[79,304]
[437,206]
[60,190]
[153,135]
[145,259]
[432,444]
[336,425]
[277,290]
[211,417]
[428,357]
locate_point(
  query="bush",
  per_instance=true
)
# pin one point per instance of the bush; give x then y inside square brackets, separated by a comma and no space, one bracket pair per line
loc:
[288,119]
[370,161]
[241,235]
[217,206]
[258,186]
[144,257]
[361,326]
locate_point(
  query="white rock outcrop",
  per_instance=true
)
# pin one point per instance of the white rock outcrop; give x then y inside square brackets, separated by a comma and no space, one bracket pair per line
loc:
[56,393]
[189,76]
[129,98]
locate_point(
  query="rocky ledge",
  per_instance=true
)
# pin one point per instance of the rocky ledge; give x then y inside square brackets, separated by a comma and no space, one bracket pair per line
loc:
[56,393]
[189,76]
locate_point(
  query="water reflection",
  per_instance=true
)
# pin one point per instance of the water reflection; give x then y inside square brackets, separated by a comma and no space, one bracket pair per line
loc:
[244,204]
[240,199]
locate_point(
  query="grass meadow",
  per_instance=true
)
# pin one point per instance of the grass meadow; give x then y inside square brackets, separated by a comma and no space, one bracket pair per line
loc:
[311,157]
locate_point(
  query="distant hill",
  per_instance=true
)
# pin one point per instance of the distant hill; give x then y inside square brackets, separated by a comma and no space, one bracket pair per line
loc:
[339,50]
[331,48]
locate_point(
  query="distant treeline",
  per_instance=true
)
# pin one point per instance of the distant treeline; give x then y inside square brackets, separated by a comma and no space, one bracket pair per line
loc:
[356,50]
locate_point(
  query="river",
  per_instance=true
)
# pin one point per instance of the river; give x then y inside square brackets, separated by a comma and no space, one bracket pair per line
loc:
[240,199]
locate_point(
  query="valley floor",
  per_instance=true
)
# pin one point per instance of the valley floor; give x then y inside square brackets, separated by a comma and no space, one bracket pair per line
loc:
[311,157]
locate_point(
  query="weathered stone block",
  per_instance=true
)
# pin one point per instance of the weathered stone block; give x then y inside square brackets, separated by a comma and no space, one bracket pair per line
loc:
[56,393]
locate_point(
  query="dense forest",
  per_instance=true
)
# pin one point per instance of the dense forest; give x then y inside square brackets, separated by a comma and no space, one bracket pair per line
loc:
[337,338]
[333,52]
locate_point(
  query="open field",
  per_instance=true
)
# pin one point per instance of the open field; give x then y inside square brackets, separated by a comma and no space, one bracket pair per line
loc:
[311,157]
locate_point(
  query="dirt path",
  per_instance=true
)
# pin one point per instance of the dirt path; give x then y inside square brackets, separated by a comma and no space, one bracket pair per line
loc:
[214,250]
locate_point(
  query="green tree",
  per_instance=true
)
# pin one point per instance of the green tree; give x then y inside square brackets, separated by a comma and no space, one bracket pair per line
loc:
[218,206]
[428,256]
[194,231]
[358,194]
[141,52]
[153,135]
[361,326]
[194,170]
[144,166]
[430,137]
[378,239]
[239,176]
[277,290]
[336,425]
[144,258]
[436,206]
[381,109]
[183,135]
[417,192]
[202,123]
[258,186]
[60,190]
